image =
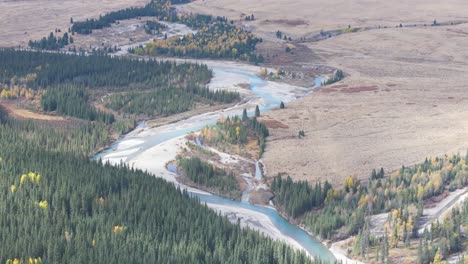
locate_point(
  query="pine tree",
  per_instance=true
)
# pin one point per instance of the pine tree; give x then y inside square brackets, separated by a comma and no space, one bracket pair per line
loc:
[281,105]
[257,111]
[245,117]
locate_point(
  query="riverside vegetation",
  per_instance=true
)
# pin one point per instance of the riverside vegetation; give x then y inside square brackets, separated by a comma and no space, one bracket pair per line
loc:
[231,133]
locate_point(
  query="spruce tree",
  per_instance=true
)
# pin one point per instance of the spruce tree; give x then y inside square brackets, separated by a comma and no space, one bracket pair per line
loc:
[245,117]
[257,111]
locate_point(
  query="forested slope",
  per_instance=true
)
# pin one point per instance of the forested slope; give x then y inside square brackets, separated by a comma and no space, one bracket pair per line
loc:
[57,205]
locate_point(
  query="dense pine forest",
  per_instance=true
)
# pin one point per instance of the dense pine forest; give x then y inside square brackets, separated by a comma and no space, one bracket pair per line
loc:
[57,206]
[167,101]
[42,70]
[73,101]
[150,88]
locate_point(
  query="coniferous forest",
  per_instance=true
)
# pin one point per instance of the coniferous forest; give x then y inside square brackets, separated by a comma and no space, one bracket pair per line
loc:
[43,69]
[57,206]
[149,88]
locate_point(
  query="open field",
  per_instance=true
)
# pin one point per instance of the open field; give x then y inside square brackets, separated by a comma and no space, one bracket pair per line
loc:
[404,100]
[23,20]
[302,17]
[404,97]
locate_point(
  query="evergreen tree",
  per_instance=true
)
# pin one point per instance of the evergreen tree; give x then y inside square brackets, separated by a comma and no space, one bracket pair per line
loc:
[244,115]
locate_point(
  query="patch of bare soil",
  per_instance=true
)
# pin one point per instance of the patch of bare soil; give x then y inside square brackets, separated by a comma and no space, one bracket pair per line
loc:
[261,197]
[358,89]
[274,124]
[22,113]
[286,22]
[432,202]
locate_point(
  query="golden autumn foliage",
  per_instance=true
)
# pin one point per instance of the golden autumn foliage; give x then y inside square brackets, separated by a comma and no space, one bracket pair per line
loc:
[16,91]
[33,177]
[217,39]
[29,260]
[118,229]
[43,204]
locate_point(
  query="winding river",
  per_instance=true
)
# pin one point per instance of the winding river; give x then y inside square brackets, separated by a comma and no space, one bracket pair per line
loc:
[137,142]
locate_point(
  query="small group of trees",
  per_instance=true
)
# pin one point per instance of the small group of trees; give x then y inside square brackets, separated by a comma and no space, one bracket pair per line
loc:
[52,42]
[281,35]
[154,27]
[250,18]
[301,133]
[235,130]
[338,76]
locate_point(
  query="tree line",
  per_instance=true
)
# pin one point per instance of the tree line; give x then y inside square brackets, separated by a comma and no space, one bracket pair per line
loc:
[43,69]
